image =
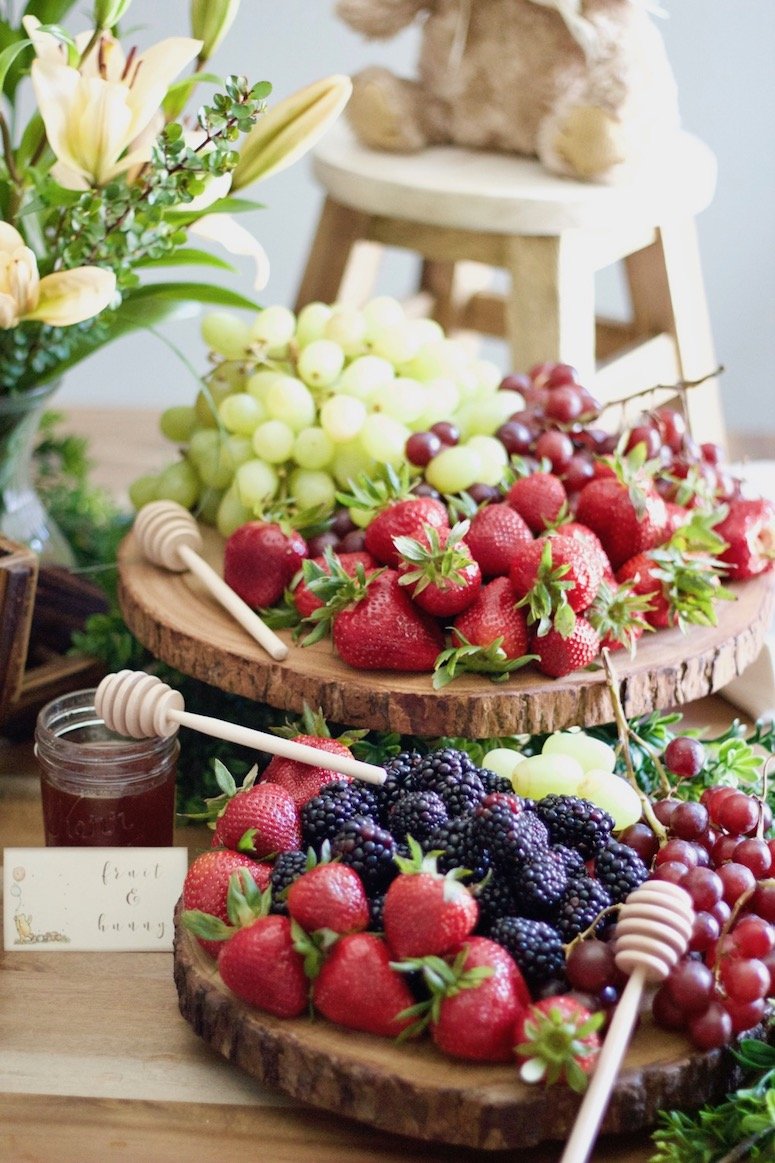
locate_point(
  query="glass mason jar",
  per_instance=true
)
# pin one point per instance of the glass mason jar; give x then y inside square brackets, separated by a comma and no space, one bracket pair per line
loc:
[100,789]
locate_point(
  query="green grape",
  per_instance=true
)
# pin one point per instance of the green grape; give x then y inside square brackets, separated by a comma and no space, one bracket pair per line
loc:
[493,457]
[238,449]
[210,456]
[208,402]
[311,322]
[350,461]
[231,512]
[347,328]
[403,399]
[320,363]
[361,517]
[593,754]
[384,439]
[365,376]
[440,357]
[225,334]
[502,760]
[208,505]
[241,413]
[454,470]
[177,423]
[312,488]
[481,417]
[426,330]
[229,373]
[543,775]
[178,482]
[397,343]
[256,483]
[259,383]
[614,795]
[441,400]
[383,311]
[273,441]
[144,489]
[488,376]
[288,399]
[342,418]
[274,327]
[313,448]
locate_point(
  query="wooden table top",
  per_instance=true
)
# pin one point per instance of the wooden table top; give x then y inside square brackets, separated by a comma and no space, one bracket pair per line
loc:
[96,1063]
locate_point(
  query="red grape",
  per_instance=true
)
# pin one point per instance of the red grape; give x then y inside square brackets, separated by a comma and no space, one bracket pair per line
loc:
[590,965]
[738,814]
[753,936]
[563,405]
[680,850]
[642,840]
[671,870]
[705,932]
[689,821]
[763,900]
[446,431]
[704,887]
[515,437]
[684,756]
[516,382]
[421,447]
[754,854]
[561,374]
[556,447]
[665,1012]
[663,810]
[745,1015]
[644,434]
[744,979]
[690,986]
[712,1029]
[737,879]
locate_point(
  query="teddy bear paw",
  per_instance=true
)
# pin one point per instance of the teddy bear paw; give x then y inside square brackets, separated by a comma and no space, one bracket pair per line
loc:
[587,143]
[383,112]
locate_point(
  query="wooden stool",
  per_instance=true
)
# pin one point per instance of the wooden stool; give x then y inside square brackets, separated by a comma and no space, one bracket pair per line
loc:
[458,209]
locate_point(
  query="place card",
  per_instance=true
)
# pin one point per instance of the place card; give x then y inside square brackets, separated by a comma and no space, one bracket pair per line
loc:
[91,899]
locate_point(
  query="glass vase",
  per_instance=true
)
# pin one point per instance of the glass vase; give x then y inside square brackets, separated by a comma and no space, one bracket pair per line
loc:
[23,516]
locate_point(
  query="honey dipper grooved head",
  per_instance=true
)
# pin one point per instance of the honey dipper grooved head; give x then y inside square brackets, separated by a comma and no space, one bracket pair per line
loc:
[137,704]
[653,929]
[161,528]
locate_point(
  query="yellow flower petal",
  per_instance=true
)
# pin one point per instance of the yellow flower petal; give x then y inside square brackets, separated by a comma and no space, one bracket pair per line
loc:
[9,314]
[10,239]
[68,297]
[156,70]
[222,228]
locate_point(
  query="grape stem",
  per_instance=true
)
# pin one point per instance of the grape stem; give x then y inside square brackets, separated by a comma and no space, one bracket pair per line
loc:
[680,386]
[664,783]
[763,797]
[623,729]
[727,927]
[590,930]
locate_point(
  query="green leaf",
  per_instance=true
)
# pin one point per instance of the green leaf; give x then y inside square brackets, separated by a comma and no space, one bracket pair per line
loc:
[187,256]
[9,55]
[49,11]
[191,293]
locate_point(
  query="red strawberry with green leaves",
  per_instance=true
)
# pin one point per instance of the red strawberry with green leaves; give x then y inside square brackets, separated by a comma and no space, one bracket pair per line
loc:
[303,597]
[559,655]
[395,512]
[749,531]
[494,614]
[589,540]
[540,499]
[624,510]
[375,624]
[302,781]
[494,538]
[477,994]
[357,987]
[260,559]
[425,911]
[556,1040]
[329,896]
[206,886]
[554,578]
[619,614]
[438,570]
[261,966]
[261,820]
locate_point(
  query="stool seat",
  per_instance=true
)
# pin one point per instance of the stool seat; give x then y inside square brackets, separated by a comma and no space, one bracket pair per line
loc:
[499,193]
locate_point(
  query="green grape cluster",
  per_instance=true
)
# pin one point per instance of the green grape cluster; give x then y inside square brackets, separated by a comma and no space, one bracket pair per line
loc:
[297,406]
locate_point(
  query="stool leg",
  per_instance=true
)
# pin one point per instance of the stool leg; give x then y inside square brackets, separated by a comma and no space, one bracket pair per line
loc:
[342,264]
[550,307]
[668,295]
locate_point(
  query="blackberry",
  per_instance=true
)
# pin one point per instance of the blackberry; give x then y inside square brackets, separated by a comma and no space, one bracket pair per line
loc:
[495,900]
[575,823]
[583,899]
[535,946]
[398,771]
[620,869]
[417,814]
[511,834]
[493,782]
[287,867]
[461,790]
[439,765]
[540,884]
[573,861]
[459,847]
[323,815]
[376,907]
[369,849]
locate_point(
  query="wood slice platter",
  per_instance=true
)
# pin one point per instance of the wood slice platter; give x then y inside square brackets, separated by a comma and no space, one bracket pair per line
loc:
[415,1090]
[180,623]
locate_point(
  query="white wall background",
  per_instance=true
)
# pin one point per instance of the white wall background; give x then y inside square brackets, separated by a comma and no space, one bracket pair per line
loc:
[721,52]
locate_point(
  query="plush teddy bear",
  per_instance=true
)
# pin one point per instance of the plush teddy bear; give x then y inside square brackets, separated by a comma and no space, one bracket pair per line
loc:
[584,85]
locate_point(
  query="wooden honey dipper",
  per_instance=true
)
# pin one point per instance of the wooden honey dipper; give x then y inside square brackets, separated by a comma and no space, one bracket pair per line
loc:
[652,933]
[168,536]
[140,706]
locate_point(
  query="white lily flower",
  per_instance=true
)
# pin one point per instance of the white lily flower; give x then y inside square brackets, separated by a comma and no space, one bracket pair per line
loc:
[222,228]
[61,299]
[95,116]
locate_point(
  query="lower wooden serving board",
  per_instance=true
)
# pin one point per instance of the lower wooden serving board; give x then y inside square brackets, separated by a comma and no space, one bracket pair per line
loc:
[415,1090]
[180,623]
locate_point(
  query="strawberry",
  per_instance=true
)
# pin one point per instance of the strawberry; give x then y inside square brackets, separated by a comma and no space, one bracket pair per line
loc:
[395,512]
[260,558]
[439,570]
[558,656]
[303,597]
[619,614]
[554,558]
[494,538]
[260,966]
[302,781]
[358,988]
[260,820]
[588,539]
[425,912]
[206,885]
[329,896]
[629,518]
[557,1041]
[494,614]
[749,530]
[681,587]
[539,499]
[376,625]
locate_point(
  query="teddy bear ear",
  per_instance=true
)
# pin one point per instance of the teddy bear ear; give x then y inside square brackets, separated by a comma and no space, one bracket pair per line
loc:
[379,18]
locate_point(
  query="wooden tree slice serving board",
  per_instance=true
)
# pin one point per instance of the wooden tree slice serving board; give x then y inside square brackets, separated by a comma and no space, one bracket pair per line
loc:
[179,622]
[415,1090]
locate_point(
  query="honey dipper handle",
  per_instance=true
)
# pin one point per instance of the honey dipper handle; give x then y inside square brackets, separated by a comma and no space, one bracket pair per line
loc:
[239,610]
[595,1101]
[275,745]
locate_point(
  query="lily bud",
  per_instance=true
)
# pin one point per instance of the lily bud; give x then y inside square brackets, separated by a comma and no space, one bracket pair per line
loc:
[107,13]
[210,21]
[283,134]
